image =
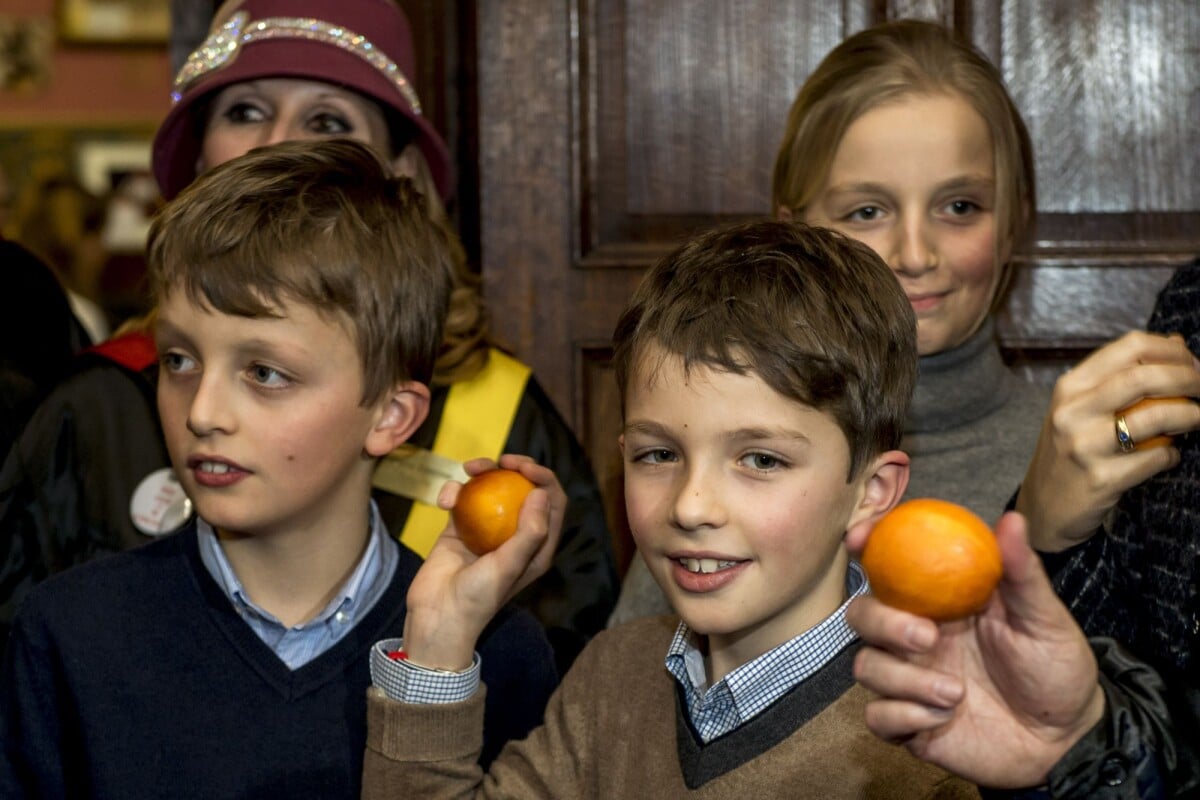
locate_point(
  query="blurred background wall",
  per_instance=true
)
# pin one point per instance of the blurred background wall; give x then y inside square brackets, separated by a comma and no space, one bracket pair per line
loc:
[83,83]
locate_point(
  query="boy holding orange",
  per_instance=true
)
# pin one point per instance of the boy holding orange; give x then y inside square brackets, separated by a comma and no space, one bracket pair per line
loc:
[301,292]
[765,372]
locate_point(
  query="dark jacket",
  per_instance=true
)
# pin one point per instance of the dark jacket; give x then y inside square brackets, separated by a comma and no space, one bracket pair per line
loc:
[1145,747]
[38,337]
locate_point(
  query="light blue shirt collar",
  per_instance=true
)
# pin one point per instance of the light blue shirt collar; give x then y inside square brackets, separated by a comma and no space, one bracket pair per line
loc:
[751,688]
[299,644]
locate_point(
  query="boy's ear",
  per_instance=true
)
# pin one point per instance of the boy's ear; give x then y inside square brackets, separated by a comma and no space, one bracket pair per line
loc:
[884,482]
[783,214]
[399,415]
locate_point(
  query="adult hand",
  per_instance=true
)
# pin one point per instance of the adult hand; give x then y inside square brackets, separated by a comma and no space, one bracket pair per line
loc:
[1078,470]
[456,593]
[998,698]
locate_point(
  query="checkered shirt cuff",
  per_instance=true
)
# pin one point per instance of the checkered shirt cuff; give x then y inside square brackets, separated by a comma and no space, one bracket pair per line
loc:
[410,683]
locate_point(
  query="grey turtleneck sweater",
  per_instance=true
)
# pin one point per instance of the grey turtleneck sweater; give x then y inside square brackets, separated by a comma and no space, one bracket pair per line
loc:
[972,426]
[971,431]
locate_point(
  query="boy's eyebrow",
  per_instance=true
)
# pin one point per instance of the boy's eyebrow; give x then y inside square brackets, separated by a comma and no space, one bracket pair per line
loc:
[737,435]
[164,328]
[250,347]
[646,427]
[744,434]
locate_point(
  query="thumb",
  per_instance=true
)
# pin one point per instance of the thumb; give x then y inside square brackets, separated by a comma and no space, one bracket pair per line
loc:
[1025,588]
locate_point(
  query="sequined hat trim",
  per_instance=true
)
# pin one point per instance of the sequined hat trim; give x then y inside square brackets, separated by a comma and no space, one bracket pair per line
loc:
[221,48]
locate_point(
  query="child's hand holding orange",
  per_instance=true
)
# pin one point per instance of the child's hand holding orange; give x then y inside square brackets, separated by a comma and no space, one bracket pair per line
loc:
[485,512]
[504,529]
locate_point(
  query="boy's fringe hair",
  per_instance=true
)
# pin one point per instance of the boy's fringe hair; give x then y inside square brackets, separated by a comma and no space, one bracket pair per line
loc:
[320,223]
[818,316]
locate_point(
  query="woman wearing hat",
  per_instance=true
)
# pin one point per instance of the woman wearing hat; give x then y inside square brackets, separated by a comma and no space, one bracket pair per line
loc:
[89,473]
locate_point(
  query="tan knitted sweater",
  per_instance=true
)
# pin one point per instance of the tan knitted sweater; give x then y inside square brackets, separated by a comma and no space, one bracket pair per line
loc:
[614,730]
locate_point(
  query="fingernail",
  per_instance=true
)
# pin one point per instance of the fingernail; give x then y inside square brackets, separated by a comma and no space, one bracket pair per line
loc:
[949,691]
[920,637]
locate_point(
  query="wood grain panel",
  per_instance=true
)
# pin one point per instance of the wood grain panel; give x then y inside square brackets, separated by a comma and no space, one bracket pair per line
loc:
[685,104]
[1108,89]
[940,11]
[526,64]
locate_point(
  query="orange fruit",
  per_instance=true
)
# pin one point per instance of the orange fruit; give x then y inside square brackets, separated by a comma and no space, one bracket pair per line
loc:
[1146,402]
[485,513]
[932,558]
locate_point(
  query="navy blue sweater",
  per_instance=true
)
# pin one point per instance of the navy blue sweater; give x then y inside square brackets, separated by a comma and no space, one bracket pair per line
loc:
[133,677]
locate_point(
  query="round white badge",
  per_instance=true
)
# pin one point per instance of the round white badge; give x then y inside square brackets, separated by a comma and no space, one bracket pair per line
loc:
[159,505]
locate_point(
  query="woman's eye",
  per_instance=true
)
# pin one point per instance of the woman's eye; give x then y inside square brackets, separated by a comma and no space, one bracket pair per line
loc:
[244,112]
[330,124]
[268,376]
[762,461]
[176,362]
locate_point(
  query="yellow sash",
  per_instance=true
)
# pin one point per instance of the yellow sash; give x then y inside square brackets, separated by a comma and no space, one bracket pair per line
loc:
[475,423]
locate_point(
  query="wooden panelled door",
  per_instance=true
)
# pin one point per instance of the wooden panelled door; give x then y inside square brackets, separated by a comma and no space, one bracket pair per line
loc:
[610,129]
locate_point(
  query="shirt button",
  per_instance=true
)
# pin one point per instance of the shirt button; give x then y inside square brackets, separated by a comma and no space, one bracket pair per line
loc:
[1114,771]
[342,617]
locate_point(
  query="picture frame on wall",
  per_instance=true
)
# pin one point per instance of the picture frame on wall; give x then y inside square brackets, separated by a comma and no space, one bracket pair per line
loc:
[120,172]
[26,46]
[101,163]
[116,22]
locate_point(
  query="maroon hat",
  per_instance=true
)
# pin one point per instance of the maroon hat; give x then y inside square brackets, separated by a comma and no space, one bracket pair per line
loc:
[363,45]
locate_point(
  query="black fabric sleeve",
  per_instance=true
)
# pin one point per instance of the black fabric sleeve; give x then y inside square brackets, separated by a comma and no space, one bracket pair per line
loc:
[1144,748]
[66,483]
[1146,745]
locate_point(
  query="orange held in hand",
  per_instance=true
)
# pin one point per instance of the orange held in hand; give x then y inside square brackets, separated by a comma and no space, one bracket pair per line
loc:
[485,514]
[1147,402]
[932,558]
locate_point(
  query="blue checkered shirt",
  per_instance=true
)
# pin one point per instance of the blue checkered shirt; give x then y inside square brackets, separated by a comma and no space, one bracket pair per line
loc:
[409,683]
[748,690]
[299,644]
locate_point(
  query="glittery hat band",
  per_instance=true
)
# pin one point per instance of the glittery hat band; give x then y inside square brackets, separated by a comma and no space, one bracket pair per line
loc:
[223,45]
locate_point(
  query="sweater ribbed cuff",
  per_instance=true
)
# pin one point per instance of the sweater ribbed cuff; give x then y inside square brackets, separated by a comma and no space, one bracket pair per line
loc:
[423,732]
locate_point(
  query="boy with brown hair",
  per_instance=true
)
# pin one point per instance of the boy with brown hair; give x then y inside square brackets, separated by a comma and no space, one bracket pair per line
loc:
[301,293]
[765,372]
